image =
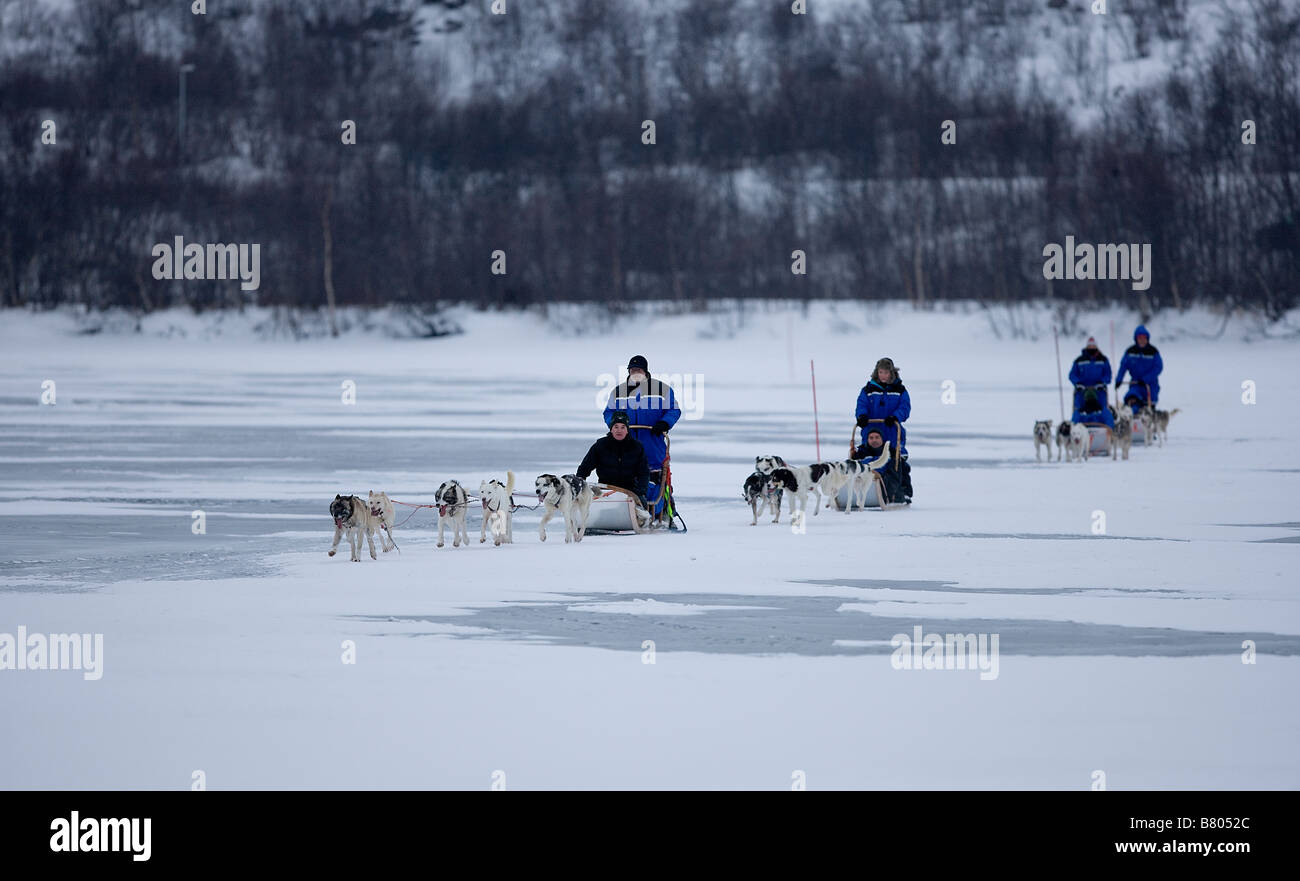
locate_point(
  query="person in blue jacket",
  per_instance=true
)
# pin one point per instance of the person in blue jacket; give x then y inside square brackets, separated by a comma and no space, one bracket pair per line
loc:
[884,404]
[651,406]
[1142,362]
[1093,408]
[1091,372]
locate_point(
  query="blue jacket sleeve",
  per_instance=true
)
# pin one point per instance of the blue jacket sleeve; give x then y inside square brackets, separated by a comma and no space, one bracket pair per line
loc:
[904,408]
[1106,375]
[1123,368]
[1075,377]
[862,403]
[1160,366]
[672,413]
[609,405]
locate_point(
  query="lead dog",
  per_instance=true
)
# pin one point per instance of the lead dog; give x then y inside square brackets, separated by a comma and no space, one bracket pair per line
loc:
[351,515]
[496,500]
[453,504]
[568,495]
[761,492]
[1042,438]
[381,508]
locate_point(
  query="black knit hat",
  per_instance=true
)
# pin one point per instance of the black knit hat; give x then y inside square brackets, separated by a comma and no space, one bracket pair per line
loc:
[639,361]
[619,416]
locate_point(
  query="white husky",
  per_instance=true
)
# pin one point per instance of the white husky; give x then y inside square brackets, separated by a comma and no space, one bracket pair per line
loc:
[496,500]
[381,508]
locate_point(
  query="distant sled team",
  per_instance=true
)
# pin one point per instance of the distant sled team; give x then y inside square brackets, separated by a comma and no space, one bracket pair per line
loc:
[1098,429]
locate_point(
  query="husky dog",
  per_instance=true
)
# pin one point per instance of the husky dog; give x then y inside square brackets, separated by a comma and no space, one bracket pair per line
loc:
[800,482]
[860,474]
[1042,438]
[568,495]
[807,476]
[1077,447]
[1144,421]
[1062,440]
[453,505]
[761,493]
[1157,422]
[495,497]
[351,515]
[381,508]
[1122,437]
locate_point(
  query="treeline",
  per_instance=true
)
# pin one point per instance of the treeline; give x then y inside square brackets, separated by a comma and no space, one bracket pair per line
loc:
[526,133]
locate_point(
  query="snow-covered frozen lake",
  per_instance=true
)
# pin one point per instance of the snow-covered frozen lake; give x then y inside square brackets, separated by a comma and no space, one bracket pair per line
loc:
[223,651]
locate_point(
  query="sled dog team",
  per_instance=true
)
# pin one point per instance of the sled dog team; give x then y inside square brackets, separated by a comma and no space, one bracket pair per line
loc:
[1090,376]
[1073,442]
[568,495]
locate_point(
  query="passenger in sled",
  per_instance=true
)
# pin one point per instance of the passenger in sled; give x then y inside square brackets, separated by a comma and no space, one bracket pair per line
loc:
[1090,372]
[892,478]
[1093,408]
[618,460]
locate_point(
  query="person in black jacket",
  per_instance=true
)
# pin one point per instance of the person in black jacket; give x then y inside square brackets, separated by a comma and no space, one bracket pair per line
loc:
[618,459]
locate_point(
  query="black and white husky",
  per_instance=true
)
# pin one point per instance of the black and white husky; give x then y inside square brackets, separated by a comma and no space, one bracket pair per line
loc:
[453,504]
[761,492]
[352,515]
[496,500]
[1062,440]
[568,495]
[809,477]
[1042,438]
[800,482]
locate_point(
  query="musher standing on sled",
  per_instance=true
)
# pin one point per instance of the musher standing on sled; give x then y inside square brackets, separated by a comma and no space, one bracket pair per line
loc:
[1091,372]
[884,405]
[652,408]
[1144,364]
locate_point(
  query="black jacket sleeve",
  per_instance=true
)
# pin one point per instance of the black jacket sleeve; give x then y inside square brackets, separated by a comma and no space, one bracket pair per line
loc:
[589,461]
[641,473]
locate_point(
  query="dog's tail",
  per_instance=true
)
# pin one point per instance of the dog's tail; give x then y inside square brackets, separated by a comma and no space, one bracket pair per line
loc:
[1173,412]
[510,482]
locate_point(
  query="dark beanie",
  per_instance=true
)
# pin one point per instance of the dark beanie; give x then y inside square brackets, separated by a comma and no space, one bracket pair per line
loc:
[619,416]
[639,361]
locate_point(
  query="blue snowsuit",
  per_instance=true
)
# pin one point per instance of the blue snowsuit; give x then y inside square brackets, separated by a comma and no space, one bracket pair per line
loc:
[646,404]
[1143,364]
[877,401]
[1091,370]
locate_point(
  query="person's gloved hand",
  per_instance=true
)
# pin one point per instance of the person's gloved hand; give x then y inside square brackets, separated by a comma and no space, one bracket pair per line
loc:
[863,420]
[891,421]
[660,428]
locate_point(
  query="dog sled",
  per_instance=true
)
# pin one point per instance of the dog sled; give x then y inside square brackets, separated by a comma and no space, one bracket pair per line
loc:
[616,509]
[875,489]
[1098,438]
